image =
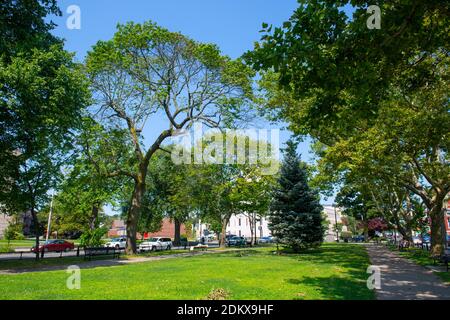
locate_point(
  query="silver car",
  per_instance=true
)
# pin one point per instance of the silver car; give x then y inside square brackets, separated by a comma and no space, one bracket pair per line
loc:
[118,243]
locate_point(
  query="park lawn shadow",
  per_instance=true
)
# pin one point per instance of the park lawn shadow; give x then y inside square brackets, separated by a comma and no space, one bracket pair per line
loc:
[336,288]
[348,256]
[241,253]
[351,261]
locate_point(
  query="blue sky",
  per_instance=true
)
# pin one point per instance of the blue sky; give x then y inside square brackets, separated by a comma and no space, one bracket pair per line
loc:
[231,24]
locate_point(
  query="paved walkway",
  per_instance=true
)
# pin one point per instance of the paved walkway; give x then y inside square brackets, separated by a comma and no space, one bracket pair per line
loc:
[402,279]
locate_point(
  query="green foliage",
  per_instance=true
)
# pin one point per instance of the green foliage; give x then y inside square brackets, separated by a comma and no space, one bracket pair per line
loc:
[13,232]
[43,94]
[376,101]
[346,235]
[296,214]
[93,238]
[88,185]
[23,25]
[338,70]
[41,91]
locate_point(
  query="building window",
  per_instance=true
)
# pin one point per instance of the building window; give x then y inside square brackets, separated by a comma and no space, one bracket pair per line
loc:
[240,233]
[239,222]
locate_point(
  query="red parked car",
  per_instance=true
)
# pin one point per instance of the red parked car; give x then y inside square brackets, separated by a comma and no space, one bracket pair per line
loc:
[55,246]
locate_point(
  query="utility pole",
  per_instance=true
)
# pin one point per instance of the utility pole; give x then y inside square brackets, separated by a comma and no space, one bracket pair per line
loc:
[336,223]
[49,220]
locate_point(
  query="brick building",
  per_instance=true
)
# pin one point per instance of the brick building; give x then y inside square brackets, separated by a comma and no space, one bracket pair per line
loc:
[4,222]
[118,229]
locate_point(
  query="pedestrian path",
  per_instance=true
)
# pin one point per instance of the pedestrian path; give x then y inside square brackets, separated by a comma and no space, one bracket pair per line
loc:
[402,279]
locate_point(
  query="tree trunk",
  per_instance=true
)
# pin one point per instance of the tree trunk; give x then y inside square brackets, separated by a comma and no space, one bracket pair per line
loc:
[36,231]
[177,236]
[405,231]
[134,214]
[252,223]
[366,231]
[223,234]
[94,216]
[438,233]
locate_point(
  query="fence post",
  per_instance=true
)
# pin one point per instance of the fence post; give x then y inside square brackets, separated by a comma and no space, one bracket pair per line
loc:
[78,251]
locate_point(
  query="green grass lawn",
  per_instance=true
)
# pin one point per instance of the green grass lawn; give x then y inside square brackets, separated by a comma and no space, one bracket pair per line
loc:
[14,244]
[332,272]
[26,264]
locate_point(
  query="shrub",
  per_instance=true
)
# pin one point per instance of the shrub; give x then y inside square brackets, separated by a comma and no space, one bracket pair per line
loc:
[6,249]
[346,235]
[218,294]
[13,232]
[93,238]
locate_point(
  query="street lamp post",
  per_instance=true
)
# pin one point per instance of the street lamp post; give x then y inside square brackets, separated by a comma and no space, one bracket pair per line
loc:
[336,223]
[49,220]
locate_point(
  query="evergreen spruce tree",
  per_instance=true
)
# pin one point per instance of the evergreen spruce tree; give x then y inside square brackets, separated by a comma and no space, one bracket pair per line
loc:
[296,213]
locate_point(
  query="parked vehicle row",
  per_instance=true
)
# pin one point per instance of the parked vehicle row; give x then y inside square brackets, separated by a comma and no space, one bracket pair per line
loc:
[233,240]
[153,244]
[266,240]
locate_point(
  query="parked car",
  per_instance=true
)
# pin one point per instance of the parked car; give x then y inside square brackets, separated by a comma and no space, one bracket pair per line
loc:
[155,244]
[55,246]
[237,241]
[358,238]
[426,239]
[265,240]
[229,236]
[118,243]
[207,238]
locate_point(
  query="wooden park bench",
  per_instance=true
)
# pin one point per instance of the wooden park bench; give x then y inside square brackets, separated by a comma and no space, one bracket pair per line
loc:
[200,247]
[101,251]
[443,258]
[404,245]
[22,251]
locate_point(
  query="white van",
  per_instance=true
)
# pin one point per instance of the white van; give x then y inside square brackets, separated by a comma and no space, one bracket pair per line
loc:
[155,244]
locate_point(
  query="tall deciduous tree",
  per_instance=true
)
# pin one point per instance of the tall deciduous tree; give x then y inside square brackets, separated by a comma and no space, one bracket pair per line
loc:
[42,96]
[22,29]
[336,80]
[146,70]
[296,213]
[45,93]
